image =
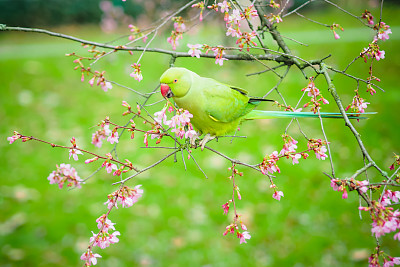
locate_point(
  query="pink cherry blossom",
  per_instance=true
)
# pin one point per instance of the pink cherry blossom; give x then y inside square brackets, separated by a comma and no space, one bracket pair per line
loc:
[235,17]
[334,185]
[397,236]
[295,158]
[269,163]
[106,86]
[344,195]
[90,258]
[125,196]
[130,196]
[238,192]
[194,50]
[277,195]
[384,31]
[220,61]
[103,220]
[65,174]
[173,39]
[185,117]
[101,134]
[104,239]
[180,27]
[378,230]
[363,185]
[74,153]
[243,236]
[190,134]
[320,153]
[233,31]
[179,131]
[225,207]
[12,139]
[160,116]
[250,12]
[336,35]
[224,6]
[109,166]
[113,137]
[137,73]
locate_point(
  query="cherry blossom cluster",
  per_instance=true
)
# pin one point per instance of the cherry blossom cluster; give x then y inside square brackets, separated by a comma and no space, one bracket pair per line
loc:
[233,17]
[90,258]
[219,52]
[388,261]
[383,31]
[101,81]
[368,16]
[155,132]
[176,34]
[233,228]
[319,148]
[274,18]
[269,164]
[246,39]
[341,185]
[179,123]
[104,133]
[316,96]
[109,166]
[224,7]
[65,174]
[372,52]
[358,105]
[137,72]
[124,196]
[104,238]
[97,77]
[233,23]
[384,219]
[15,137]
[136,33]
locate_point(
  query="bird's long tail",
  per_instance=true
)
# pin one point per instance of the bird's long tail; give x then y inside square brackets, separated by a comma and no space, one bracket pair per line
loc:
[266,114]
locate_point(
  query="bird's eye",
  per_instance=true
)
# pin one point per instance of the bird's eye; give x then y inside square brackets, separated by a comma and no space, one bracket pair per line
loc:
[175,81]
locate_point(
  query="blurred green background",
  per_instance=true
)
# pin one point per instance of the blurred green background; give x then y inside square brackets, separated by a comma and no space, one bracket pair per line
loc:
[179,221]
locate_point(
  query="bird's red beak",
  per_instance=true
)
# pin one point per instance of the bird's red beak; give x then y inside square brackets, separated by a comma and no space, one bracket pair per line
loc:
[166,91]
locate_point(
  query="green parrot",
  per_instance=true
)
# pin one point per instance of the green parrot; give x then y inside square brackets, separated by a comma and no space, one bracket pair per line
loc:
[218,108]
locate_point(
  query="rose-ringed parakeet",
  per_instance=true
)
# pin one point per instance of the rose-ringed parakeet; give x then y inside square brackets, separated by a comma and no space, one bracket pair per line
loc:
[218,108]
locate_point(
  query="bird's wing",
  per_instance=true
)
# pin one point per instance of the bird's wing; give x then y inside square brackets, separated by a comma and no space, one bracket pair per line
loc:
[223,102]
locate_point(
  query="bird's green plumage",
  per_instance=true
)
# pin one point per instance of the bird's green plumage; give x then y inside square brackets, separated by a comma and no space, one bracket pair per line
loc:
[218,108]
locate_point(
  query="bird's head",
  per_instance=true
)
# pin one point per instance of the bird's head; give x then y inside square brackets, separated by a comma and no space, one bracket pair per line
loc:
[175,82]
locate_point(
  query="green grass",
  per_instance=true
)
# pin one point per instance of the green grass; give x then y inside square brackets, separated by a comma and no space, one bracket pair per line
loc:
[179,220]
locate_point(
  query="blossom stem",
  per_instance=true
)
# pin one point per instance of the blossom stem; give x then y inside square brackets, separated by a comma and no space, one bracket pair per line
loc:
[147,168]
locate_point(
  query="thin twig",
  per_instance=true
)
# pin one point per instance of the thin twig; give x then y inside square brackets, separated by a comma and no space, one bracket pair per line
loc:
[147,168]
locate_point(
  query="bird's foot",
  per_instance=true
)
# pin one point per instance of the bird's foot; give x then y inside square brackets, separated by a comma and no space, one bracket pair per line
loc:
[193,139]
[204,141]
